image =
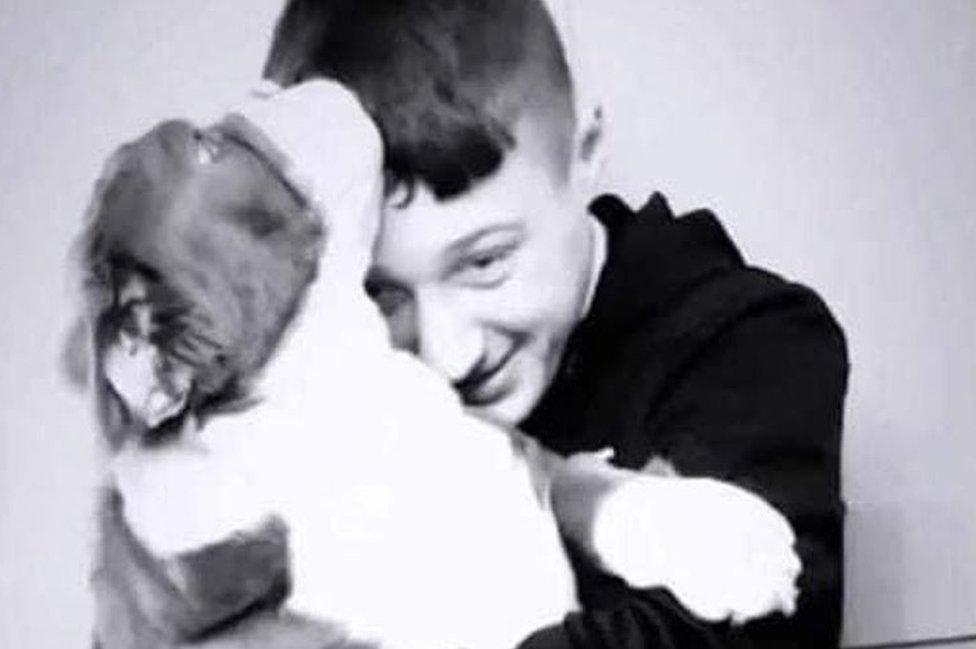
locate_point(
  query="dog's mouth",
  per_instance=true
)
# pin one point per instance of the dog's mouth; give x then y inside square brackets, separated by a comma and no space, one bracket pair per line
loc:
[153,388]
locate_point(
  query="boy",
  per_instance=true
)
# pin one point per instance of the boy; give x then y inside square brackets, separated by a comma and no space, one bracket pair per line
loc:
[658,341]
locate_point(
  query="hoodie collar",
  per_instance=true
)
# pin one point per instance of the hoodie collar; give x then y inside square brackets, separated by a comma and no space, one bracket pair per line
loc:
[653,257]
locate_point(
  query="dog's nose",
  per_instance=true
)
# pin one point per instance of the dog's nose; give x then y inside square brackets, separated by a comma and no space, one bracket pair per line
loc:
[208,147]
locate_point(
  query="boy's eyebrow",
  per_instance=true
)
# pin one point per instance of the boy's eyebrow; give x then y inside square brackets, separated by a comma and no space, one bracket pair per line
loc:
[457,247]
[379,275]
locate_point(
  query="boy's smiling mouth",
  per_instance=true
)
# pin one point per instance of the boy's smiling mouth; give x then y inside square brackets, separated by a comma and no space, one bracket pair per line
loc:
[487,384]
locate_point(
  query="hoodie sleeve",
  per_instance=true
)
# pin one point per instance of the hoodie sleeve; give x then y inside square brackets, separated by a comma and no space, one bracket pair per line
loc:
[759,404]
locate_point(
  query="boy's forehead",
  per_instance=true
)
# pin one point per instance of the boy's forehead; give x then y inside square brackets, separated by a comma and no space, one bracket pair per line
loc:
[427,228]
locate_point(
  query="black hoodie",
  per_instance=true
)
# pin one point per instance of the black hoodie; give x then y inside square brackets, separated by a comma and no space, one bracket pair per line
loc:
[726,371]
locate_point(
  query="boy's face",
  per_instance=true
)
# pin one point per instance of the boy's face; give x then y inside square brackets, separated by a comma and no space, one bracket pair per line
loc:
[486,287]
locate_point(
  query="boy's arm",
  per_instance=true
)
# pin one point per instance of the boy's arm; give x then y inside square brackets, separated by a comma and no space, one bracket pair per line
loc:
[775,430]
[650,529]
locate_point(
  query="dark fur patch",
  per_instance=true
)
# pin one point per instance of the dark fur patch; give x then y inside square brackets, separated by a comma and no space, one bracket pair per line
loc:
[225,247]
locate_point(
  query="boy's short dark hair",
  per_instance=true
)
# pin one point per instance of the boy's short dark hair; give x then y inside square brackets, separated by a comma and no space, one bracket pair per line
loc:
[445,80]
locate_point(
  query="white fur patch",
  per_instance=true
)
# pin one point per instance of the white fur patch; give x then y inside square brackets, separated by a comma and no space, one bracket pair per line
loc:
[408,518]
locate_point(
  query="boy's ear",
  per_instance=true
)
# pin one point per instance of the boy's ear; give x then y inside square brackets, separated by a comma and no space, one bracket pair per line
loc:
[589,150]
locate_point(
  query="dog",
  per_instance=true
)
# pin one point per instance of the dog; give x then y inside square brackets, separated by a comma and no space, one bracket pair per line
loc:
[204,274]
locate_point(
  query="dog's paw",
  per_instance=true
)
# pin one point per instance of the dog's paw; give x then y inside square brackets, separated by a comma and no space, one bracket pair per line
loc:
[725,553]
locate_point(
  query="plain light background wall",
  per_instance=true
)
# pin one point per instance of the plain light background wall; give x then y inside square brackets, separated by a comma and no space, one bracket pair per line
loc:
[837,141]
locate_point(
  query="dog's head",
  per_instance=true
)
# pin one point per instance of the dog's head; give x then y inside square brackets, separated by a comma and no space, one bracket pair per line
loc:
[196,252]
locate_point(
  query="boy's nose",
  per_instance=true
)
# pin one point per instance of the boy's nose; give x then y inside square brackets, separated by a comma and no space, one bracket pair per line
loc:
[447,341]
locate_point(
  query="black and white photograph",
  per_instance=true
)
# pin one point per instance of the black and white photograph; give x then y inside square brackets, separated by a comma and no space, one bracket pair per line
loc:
[488,324]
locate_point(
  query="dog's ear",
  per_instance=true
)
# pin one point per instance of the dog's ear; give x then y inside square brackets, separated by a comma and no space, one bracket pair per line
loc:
[75,361]
[76,358]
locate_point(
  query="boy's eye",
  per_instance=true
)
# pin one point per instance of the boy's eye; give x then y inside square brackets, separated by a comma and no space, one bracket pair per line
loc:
[486,269]
[485,261]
